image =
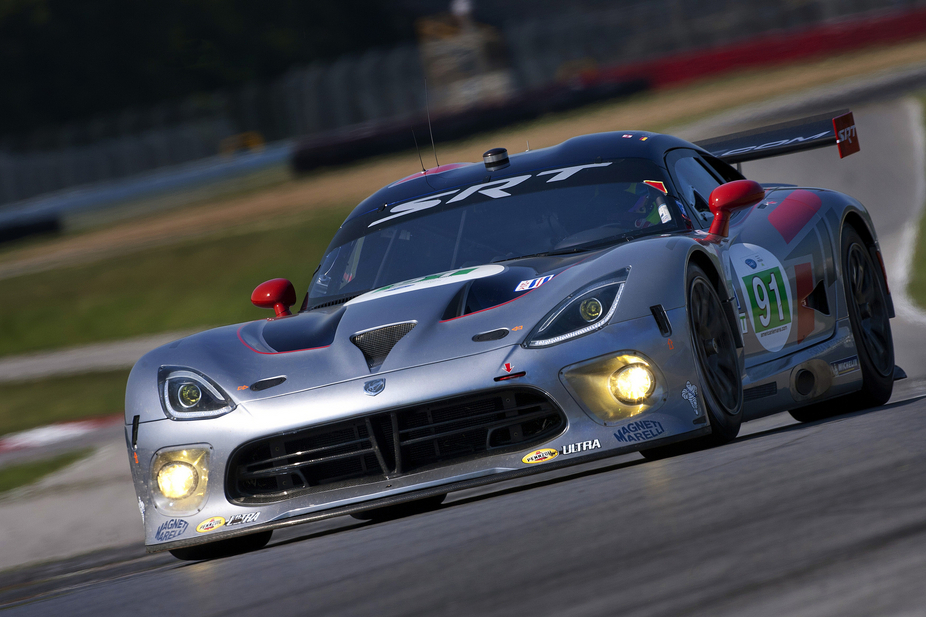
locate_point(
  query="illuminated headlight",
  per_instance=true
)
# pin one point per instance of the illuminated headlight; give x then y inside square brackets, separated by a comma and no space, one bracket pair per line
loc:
[188,395]
[616,386]
[632,384]
[177,480]
[584,312]
[181,477]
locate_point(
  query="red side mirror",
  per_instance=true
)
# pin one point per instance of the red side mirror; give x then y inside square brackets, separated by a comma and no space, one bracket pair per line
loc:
[278,294]
[730,197]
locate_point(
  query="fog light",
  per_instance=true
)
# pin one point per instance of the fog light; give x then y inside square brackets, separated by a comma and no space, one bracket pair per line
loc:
[177,480]
[632,384]
[180,479]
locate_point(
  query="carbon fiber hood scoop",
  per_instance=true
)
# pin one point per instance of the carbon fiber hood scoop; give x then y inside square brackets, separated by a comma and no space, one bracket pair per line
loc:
[376,343]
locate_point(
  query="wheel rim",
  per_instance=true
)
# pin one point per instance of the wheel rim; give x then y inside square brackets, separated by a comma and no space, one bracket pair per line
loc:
[869,307]
[714,346]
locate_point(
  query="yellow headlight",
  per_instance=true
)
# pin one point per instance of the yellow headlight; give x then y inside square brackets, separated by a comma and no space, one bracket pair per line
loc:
[177,480]
[590,309]
[189,394]
[632,384]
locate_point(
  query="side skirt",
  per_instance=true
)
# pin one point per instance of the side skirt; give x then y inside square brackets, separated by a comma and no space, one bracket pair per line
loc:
[817,373]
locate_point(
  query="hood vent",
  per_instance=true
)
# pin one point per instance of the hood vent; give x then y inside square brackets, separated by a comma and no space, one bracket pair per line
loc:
[378,342]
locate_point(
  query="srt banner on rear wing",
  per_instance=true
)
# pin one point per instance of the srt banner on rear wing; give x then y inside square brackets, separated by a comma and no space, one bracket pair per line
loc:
[806,134]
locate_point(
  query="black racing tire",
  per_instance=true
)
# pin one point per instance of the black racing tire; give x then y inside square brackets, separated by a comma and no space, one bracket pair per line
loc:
[223,548]
[866,304]
[409,508]
[717,367]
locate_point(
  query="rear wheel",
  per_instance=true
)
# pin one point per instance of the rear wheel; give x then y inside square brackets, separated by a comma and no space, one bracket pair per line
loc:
[716,364]
[223,548]
[866,305]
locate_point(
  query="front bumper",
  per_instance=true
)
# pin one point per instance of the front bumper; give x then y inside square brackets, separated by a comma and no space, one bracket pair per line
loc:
[584,437]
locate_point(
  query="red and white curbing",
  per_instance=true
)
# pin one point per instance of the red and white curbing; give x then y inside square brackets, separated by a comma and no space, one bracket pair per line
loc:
[54,433]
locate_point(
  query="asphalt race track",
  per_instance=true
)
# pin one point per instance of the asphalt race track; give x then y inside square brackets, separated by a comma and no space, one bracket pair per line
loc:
[826,518]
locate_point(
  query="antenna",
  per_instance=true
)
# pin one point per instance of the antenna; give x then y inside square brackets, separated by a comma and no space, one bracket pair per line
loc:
[418,150]
[427,108]
[528,145]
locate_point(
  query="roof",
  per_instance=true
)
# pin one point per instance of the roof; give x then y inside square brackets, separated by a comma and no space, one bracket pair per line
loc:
[575,151]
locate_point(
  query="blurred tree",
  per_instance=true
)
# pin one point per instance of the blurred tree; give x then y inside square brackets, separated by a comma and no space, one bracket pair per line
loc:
[64,60]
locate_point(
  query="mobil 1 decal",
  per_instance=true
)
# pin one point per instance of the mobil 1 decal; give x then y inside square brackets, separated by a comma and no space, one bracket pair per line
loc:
[765,288]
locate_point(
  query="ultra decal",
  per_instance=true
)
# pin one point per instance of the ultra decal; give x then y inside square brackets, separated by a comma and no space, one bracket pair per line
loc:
[582,446]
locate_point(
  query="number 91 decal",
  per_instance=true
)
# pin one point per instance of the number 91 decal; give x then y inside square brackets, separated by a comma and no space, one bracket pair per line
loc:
[765,287]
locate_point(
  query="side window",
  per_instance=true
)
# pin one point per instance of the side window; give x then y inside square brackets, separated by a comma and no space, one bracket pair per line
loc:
[693,180]
[723,169]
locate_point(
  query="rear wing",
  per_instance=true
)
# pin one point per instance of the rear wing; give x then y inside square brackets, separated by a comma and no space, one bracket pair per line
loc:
[806,134]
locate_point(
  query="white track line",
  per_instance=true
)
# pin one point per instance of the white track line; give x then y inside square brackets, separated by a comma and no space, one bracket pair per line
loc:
[906,246]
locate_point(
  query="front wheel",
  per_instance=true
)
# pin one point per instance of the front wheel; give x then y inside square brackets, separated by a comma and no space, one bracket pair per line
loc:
[866,304]
[716,366]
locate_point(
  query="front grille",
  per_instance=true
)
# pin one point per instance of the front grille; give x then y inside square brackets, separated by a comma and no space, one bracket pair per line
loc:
[376,344]
[390,444]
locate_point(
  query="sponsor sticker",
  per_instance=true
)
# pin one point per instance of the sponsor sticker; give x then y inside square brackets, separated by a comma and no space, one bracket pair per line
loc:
[432,280]
[664,215]
[841,367]
[533,283]
[171,529]
[641,430]
[508,367]
[242,519]
[626,136]
[540,456]
[846,135]
[582,446]
[210,524]
[497,189]
[141,508]
[656,184]
[751,263]
[690,394]
[767,293]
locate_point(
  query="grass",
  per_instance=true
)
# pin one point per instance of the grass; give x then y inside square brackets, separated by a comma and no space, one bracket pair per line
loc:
[198,283]
[916,286]
[14,476]
[30,404]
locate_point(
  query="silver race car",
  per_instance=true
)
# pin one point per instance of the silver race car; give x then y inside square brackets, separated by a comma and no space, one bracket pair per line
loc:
[479,322]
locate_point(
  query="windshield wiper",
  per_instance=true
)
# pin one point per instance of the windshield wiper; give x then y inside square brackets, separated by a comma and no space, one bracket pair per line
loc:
[543,254]
[593,244]
[615,239]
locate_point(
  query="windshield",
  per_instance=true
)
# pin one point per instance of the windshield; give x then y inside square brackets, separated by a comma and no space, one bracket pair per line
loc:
[554,211]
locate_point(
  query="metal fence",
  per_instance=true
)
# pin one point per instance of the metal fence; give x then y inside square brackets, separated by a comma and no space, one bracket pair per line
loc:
[387,85]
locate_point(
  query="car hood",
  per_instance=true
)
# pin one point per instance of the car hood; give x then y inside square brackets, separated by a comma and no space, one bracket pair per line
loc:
[437,318]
